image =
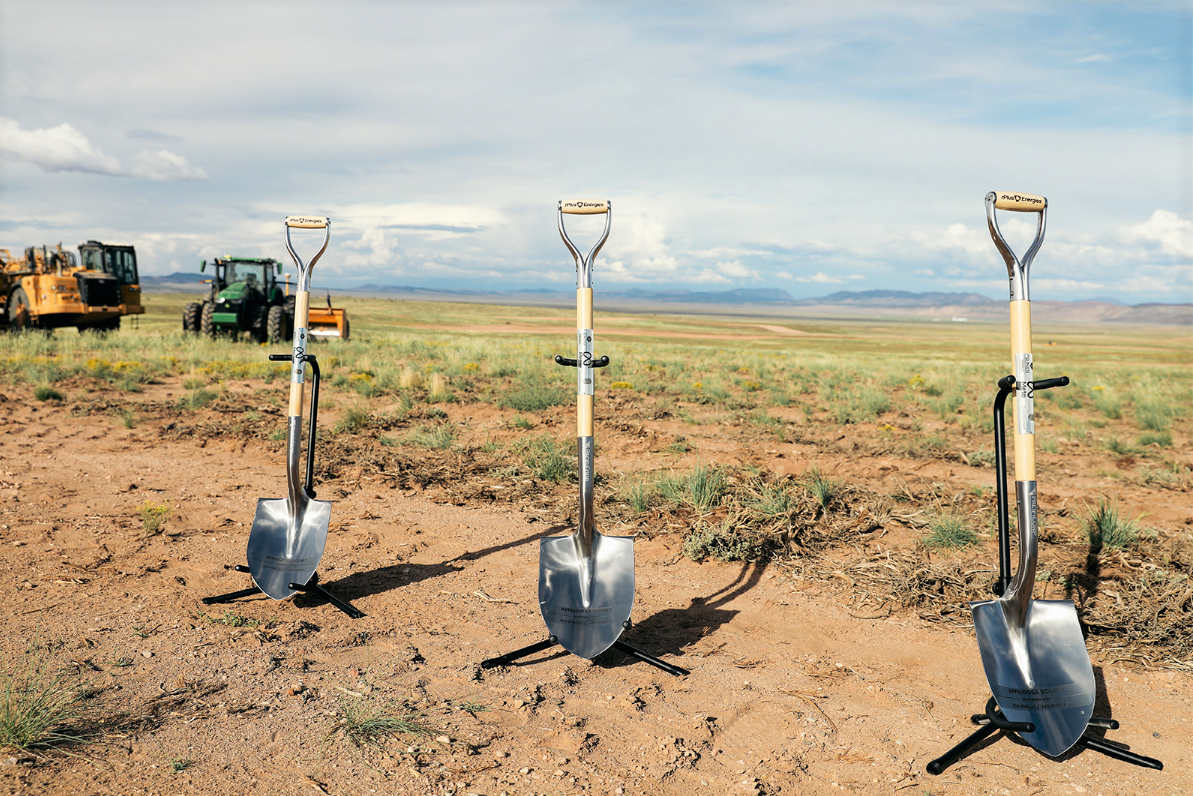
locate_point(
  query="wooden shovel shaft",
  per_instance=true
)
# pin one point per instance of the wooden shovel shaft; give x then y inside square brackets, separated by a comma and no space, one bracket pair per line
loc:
[1025,453]
[302,306]
[584,392]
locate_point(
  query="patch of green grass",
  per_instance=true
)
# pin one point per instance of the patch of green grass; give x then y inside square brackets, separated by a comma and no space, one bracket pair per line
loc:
[1108,404]
[701,488]
[522,423]
[769,500]
[950,532]
[179,764]
[534,398]
[353,419]
[550,459]
[1116,446]
[196,399]
[367,722]
[44,392]
[1106,530]
[154,516]
[230,619]
[638,494]
[127,417]
[720,542]
[1153,415]
[824,490]
[1161,439]
[437,437]
[42,708]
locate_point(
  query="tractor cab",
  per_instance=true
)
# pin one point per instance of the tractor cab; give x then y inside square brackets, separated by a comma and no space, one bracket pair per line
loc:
[243,290]
[119,262]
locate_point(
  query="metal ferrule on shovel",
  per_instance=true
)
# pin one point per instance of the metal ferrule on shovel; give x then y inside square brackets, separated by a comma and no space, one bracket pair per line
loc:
[1033,651]
[586,580]
[289,535]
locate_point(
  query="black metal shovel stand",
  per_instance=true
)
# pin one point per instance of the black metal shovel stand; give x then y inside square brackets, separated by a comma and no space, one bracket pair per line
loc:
[312,586]
[620,646]
[992,720]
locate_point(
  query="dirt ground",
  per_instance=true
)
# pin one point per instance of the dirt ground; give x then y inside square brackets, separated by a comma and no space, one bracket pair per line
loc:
[795,686]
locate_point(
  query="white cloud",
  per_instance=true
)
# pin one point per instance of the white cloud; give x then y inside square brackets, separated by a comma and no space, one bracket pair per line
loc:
[821,278]
[640,253]
[924,272]
[1173,233]
[736,270]
[63,148]
[164,166]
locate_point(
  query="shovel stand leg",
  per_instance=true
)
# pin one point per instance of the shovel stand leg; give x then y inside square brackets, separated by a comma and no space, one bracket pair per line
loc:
[620,646]
[992,720]
[312,586]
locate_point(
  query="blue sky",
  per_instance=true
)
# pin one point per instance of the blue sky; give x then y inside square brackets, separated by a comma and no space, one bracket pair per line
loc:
[810,147]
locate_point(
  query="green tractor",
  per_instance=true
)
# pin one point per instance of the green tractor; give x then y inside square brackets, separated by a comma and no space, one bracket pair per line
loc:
[245,297]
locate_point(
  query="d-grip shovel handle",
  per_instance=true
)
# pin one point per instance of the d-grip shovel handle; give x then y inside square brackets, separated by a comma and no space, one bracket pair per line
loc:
[1017,268]
[585,207]
[302,301]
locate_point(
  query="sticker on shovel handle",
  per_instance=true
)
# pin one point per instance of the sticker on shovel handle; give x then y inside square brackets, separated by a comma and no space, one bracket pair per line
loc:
[584,385]
[298,366]
[1025,407]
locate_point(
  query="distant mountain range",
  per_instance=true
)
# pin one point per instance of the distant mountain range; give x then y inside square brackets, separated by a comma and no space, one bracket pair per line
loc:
[845,303]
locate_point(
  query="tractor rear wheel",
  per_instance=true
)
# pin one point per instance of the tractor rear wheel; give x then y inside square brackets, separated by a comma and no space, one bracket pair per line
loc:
[259,329]
[207,322]
[276,324]
[19,317]
[344,336]
[190,317]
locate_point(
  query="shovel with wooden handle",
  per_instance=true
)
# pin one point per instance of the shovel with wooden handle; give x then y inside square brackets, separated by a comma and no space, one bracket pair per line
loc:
[1033,651]
[289,534]
[586,580]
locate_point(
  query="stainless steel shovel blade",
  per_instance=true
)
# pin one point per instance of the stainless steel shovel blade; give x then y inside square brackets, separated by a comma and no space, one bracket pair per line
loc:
[1039,671]
[285,547]
[289,534]
[586,599]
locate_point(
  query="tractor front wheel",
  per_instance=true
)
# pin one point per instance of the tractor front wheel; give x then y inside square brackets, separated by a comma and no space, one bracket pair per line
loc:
[190,317]
[207,322]
[19,317]
[276,324]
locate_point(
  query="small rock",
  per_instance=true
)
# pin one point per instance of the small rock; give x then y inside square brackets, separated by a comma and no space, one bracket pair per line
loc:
[501,755]
[559,772]
[523,770]
[443,739]
[11,761]
[146,654]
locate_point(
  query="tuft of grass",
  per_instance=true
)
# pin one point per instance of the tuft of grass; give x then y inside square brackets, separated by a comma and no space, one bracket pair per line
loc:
[824,490]
[1108,404]
[128,418]
[534,398]
[230,619]
[45,392]
[522,422]
[178,765]
[770,501]
[367,723]
[437,391]
[438,437]
[551,460]
[1106,530]
[154,516]
[701,488]
[43,709]
[950,532]
[720,542]
[1115,446]
[196,399]
[1162,439]
[638,494]
[1153,416]
[354,419]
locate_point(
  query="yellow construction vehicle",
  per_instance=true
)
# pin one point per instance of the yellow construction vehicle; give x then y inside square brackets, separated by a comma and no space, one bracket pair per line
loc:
[48,289]
[327,322]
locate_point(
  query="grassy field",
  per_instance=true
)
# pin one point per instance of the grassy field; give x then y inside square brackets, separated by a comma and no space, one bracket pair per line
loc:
[694,415]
